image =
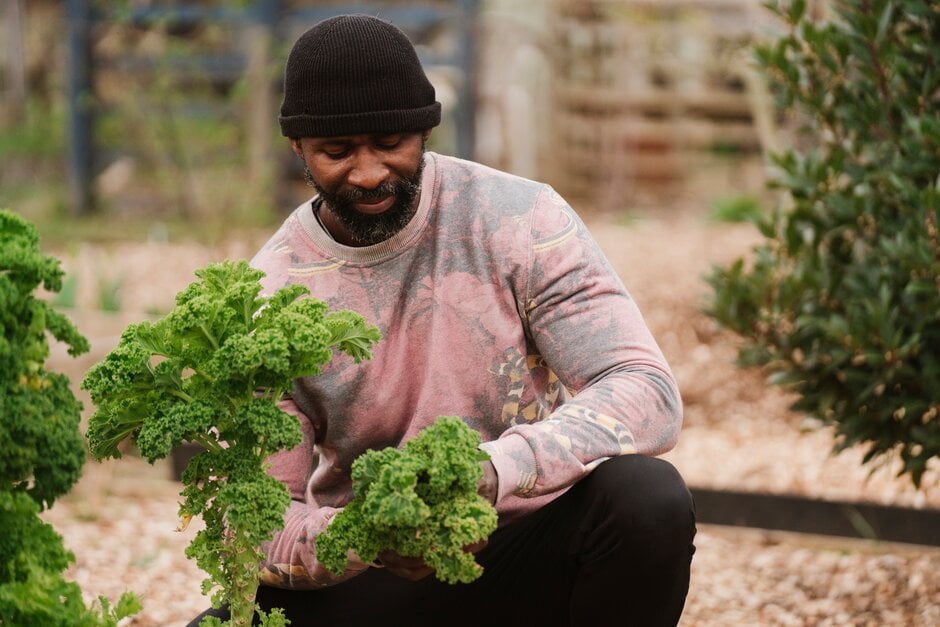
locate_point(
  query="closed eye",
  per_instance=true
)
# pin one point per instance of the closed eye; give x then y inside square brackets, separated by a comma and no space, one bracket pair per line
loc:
[388,142]
[336,153]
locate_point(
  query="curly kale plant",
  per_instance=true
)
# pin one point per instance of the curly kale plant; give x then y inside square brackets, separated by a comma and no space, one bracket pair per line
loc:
[213,372]
[40,440]
[420,501]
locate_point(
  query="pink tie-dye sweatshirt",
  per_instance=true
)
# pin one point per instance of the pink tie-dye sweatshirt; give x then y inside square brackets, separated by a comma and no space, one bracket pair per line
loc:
[495,305]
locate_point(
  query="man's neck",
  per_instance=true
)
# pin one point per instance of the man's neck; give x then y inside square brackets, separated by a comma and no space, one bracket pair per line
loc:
[333,228]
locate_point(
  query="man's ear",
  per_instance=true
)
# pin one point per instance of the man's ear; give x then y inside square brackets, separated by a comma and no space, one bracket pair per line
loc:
[426,134]
[297,148]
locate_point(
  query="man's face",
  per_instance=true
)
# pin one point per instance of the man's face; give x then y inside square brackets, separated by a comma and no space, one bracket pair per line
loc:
[369,183]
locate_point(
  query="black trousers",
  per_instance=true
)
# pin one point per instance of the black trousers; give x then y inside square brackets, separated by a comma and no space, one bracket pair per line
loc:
[615,549]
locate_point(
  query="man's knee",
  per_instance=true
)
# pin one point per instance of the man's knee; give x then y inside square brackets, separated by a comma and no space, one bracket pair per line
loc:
[636,531]
[646,497]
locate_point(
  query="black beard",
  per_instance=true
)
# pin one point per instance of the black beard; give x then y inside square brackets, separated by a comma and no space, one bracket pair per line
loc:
[366,229]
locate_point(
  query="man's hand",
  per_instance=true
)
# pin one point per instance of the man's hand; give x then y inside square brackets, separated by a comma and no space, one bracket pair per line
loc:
[411,568]
[489,484]
[414,568]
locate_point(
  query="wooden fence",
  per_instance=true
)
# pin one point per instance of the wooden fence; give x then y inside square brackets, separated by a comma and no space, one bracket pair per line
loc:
[642,88]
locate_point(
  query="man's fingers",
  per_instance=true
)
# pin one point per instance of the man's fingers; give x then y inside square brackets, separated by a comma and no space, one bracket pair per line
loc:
[411,568]
[489,482]
[476,547]
[413,574]
[391,559]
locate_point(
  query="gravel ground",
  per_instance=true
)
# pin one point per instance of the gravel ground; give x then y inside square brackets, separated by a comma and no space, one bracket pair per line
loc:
[120,520]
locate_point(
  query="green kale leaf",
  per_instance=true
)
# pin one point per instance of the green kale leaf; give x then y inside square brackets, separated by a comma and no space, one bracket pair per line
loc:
[41,444]
[420,500]
[213,371]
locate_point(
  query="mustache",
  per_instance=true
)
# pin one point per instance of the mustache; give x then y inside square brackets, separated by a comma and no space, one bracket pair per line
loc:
[357,194]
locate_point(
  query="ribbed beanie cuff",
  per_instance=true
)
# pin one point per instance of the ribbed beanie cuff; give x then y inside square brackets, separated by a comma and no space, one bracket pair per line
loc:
[355,74]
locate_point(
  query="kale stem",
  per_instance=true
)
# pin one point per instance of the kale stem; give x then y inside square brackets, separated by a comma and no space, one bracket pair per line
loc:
[209,443]
[247,313]
[180,394]
[205,376]
[209,336]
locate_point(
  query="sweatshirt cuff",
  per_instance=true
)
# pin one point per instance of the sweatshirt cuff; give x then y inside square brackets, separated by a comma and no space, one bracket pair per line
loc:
[514,463]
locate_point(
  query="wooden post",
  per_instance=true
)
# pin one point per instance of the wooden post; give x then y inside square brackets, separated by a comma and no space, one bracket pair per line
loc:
[259,107]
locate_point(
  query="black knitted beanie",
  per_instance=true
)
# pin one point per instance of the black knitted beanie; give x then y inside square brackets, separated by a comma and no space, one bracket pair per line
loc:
[355,74]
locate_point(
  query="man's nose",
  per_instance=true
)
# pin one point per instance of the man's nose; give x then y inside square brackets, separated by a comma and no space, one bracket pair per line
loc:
[368,171]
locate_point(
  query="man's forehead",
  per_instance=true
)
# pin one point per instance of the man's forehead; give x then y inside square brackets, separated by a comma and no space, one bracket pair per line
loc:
[355,138]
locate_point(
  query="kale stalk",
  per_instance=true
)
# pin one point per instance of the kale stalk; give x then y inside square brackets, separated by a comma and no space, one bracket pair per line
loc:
[213,372]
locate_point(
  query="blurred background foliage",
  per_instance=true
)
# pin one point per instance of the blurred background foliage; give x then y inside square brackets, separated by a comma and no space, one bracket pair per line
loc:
[619,104]
[632,109]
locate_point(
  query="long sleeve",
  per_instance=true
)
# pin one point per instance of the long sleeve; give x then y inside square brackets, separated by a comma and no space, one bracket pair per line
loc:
[290,557]
[591,334]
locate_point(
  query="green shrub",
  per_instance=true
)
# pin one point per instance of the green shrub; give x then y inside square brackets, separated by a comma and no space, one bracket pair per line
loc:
[42,446]
[842,301]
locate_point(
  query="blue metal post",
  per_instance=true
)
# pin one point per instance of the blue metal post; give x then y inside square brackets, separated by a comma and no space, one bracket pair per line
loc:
[466,109]
[267,11]
[80,107]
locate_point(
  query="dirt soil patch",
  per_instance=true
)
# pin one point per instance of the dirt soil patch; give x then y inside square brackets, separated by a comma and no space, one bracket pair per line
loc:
[120,520]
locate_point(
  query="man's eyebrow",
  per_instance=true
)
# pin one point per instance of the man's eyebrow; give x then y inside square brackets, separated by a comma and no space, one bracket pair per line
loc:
[344,140]
[334,141]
